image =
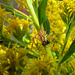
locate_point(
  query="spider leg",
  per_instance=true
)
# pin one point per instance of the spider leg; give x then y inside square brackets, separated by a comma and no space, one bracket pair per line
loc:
[53,41]
[33,40]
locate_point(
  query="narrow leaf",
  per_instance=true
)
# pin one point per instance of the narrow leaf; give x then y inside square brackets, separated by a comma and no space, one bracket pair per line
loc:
[70,51]
[31,56]
[36,7]
[41,11]
[71,25]
[19,14]
[14,39]
[46,26]
[48,51]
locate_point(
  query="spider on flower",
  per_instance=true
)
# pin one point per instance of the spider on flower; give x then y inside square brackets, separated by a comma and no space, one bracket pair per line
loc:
[43,37]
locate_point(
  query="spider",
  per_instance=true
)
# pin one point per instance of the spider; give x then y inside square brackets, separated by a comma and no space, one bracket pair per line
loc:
[43,37]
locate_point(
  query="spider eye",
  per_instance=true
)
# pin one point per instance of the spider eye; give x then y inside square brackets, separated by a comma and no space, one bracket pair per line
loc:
[45,43]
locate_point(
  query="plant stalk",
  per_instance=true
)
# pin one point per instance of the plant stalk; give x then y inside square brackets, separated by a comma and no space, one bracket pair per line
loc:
[33,14]
[48,51]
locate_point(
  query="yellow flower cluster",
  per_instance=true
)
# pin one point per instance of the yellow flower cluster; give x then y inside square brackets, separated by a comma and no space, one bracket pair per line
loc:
[12,59]
[56,24]
[41,66]
[21,3]
[67,7]
[2,14]
[3,18]
[72,65]
[73,34]
[18,27]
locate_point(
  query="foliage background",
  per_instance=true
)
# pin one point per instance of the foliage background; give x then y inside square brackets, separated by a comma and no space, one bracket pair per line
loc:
[17,29]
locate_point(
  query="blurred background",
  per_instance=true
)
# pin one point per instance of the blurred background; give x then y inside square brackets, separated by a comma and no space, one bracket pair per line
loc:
[13,3]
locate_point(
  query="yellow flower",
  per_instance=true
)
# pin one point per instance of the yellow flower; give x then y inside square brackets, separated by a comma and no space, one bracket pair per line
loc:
[3,16]
[18,27]
[40,66]
[2,13]
[12,59]
[73,34]
[33,0]
[56,24]
[21,3]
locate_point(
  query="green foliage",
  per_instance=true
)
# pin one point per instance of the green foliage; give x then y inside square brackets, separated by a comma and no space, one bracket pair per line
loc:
[36,7]
[33,14]
[70,51]
[15,40]
[25,41]
[46,26]
[10,9]
[41,11]
[31,56]
[7,9]
[70,24]
[43,20]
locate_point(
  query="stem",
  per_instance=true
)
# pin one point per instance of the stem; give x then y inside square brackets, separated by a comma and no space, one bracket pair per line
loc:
[6,6]
[35,52]
[67,37]
[48,51]
[33,14]
[22,14]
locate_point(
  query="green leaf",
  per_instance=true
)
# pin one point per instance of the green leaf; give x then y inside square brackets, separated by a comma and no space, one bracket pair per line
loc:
[71,25]
[46,26]
[31,56]
[11,9]
[16,14]
[8,10]
[70,51]
[41,11]
[19,15]
[48,51]
[15,40]
[64,18]
[36,7]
